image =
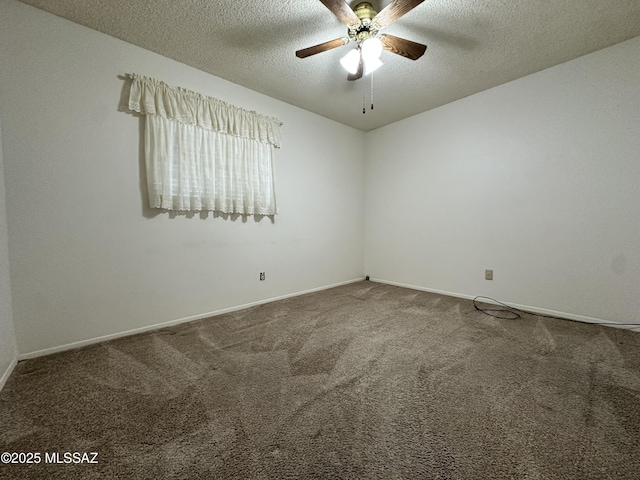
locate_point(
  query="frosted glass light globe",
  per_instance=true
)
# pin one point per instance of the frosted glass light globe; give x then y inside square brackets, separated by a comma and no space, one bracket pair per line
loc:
[371,65]
[351,61]
[371,49]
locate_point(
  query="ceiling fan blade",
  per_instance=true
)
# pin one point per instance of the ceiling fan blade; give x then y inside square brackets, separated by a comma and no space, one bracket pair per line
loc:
[322,47]
[355,76]
[393,12]
[402,46]
[343,11]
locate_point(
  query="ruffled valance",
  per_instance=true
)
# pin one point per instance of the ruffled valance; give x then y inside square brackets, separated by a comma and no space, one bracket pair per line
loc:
[154,97]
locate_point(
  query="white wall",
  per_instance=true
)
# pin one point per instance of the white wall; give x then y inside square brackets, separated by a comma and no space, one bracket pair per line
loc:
[537,179]
[8,350]
[88,258]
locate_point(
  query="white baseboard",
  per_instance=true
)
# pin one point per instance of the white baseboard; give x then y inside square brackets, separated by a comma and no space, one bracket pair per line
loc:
[104,338]
[7,373]
[543,311]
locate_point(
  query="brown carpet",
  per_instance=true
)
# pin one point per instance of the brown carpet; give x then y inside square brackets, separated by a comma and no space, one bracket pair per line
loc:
[365,381]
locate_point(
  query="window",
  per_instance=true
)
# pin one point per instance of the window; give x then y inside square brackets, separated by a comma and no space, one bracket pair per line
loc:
[203,154]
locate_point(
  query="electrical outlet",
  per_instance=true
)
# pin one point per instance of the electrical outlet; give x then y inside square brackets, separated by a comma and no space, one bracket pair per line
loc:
[488,274]
[262,277]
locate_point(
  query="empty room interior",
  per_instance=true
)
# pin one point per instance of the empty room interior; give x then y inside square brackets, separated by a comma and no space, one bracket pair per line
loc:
[430,270]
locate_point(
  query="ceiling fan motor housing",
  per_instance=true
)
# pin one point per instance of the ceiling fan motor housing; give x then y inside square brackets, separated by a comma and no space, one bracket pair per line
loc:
[361,32]
[365,11]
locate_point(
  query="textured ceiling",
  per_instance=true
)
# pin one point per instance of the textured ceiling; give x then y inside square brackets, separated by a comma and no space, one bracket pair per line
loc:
[472,45]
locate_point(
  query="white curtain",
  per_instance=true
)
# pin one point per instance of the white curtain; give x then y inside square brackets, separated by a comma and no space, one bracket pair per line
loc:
[203,154]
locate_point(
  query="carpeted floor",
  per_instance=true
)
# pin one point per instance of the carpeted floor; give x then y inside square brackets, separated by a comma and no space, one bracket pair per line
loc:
[364,381]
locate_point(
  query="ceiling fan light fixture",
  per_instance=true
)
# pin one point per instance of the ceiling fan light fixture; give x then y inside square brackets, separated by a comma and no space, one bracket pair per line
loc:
[351,61]
[371,65]
[371,49]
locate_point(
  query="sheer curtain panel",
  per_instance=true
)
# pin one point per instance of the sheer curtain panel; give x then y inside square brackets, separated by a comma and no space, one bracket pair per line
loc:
[204,154]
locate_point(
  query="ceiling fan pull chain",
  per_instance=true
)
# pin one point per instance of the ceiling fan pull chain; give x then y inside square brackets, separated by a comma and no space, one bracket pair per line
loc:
[364,110]
[371,90]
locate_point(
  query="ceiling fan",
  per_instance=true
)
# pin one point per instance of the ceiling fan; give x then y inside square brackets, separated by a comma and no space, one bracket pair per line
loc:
[363,27]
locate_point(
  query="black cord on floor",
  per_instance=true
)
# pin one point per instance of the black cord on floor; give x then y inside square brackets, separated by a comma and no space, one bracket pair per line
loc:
[513,313]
